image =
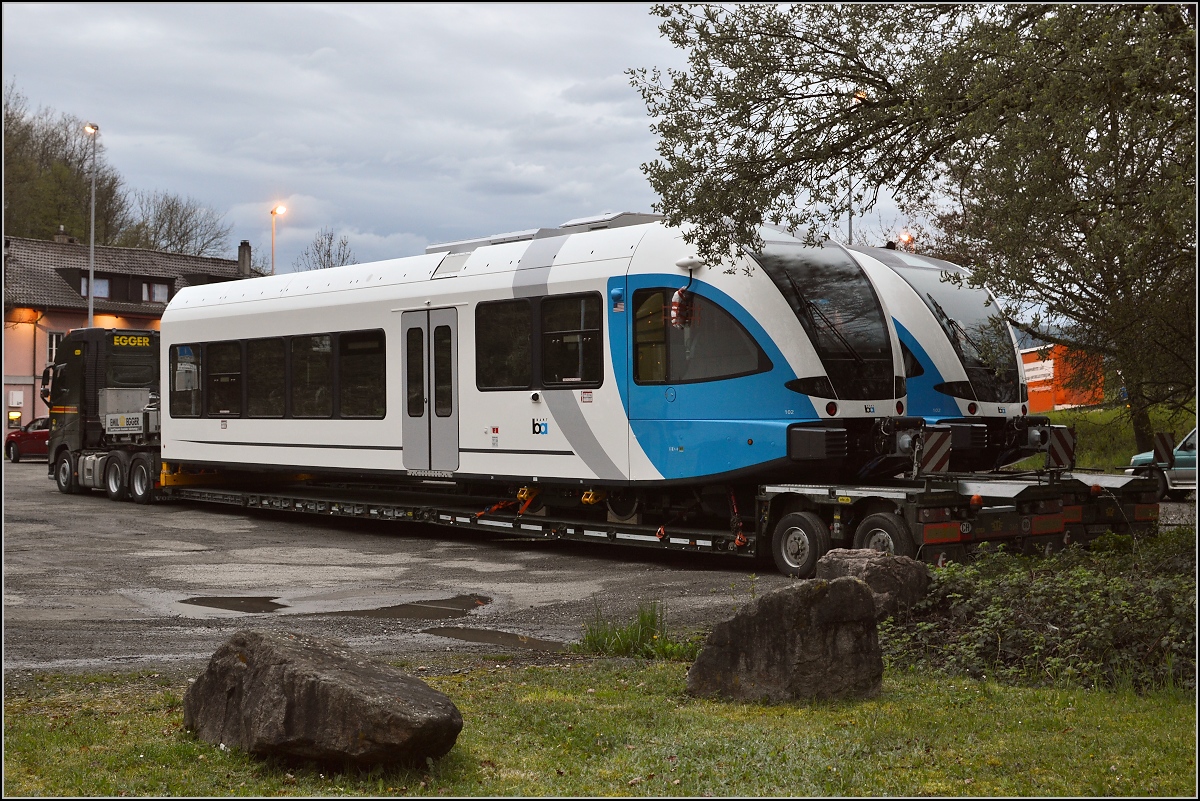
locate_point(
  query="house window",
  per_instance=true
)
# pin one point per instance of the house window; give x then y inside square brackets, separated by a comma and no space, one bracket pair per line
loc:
[154,293]
[53,340]
[101,288]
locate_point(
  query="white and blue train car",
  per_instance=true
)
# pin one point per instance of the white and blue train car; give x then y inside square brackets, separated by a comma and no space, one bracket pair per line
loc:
[598,355]
[962,364]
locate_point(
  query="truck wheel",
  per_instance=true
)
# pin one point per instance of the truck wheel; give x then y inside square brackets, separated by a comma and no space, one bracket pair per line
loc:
[885,532]
[141,479]
[799,540]
[14,453]
[64,474]
[115,485]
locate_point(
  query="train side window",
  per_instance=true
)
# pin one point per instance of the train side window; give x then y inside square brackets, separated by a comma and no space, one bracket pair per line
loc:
[312,376]
[712,345]
[443,378]
[707,345]
[224,377]
[415,379]
[504,345]
[184,366]
[265,387]
[572,342]
[361,374]
[912,365]
[649,337]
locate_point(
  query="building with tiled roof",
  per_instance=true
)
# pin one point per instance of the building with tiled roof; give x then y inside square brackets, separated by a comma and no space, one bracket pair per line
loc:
[45,296]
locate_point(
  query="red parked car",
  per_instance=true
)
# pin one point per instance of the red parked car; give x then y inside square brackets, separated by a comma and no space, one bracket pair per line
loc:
[28,442]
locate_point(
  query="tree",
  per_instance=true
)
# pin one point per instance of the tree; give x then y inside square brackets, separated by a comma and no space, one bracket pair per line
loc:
[324,252]
[1053,146]
[174,224]
[48,176]
[48,183]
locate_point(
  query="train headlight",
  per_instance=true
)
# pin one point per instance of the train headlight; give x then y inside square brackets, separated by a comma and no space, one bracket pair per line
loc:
[831,409]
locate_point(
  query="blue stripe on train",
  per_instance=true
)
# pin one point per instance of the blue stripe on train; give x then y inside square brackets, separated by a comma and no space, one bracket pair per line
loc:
[708,427]
[923,399]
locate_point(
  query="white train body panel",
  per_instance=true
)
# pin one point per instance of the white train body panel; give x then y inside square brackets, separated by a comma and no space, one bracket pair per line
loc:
[619,430]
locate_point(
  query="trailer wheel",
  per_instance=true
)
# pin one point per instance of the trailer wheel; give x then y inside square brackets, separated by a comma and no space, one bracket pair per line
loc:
[799,540]
[14,453]
[1163,489]
[141,479]
[884,531]
[115,485]
[64,474]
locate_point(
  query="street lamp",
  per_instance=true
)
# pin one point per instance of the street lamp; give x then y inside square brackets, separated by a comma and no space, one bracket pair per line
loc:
[92,130]
[275,212]
[859,97]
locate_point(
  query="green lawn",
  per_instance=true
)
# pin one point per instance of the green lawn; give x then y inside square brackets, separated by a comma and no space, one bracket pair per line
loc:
[1105,438]
[609,727]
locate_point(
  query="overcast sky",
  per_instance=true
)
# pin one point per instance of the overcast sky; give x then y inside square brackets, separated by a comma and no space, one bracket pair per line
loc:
[395,125]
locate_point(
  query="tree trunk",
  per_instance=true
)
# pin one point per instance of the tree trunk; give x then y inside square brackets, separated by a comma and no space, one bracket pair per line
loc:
[1139,413]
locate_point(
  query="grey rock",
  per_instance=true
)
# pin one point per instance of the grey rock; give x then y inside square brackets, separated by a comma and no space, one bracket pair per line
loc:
[813,639]
[897,582]
[297,697]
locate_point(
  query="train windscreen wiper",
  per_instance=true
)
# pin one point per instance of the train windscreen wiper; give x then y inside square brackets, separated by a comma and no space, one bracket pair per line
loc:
[956,326]
[812,307]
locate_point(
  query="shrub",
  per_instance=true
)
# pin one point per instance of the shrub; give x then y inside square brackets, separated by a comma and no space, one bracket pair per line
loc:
[1122,613]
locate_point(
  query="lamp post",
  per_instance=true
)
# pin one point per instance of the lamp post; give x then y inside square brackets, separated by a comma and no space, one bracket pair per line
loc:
[93,130]
[859,96]
[275,212]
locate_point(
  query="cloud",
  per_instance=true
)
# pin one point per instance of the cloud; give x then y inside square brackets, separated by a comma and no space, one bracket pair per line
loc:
[400,123]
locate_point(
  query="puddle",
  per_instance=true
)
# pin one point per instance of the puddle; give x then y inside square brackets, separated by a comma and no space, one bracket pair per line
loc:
[445,609]
[496,638]
[251,604]
[458,606]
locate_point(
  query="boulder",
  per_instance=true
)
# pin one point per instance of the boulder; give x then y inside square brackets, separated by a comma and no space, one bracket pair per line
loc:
[897,582]
[812,639]
[297,697]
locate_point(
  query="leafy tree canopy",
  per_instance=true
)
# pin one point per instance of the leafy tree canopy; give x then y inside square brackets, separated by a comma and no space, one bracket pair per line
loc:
[1052,147]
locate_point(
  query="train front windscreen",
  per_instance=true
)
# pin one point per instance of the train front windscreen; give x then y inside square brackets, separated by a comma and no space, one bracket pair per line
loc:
[837,306]
[972,322]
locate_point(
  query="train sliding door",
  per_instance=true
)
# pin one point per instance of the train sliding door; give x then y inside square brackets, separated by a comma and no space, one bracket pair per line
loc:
[430,365]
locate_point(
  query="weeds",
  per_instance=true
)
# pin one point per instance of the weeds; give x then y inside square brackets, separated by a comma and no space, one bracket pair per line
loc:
[1114,616]
[644,637]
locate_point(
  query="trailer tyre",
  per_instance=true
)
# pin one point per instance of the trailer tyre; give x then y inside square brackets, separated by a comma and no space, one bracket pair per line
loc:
[116,485]
[885,532]
[799,540]
[1163,488]
[64,474]
[141,479]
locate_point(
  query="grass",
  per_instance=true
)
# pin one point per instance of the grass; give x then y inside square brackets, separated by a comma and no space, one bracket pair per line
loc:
[611,727]
[645,636]
[1104,436]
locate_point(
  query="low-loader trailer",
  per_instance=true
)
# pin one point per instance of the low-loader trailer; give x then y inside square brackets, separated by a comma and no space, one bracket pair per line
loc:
[106,424]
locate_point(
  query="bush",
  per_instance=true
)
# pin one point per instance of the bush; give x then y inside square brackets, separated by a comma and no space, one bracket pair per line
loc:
[1122,613]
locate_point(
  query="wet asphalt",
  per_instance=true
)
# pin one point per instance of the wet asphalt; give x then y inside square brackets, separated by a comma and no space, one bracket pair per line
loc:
[93,585]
